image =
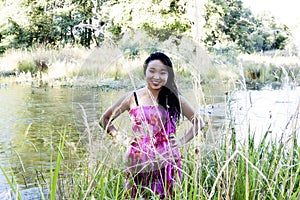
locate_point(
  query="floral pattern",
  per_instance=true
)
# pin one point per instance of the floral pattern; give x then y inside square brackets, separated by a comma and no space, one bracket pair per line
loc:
[152,163]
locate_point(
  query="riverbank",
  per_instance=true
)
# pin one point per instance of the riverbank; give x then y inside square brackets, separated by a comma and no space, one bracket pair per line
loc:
[109,67]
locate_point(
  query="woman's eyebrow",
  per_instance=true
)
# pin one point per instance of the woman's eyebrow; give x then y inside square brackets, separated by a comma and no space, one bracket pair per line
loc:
[154,68]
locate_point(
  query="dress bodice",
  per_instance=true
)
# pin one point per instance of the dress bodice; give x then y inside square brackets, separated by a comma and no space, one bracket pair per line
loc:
[151,120]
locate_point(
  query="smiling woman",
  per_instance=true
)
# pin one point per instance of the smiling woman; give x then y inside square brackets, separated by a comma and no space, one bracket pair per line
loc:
[153,156]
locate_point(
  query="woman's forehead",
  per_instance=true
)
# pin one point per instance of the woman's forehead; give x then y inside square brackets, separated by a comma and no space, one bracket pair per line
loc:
[157,64]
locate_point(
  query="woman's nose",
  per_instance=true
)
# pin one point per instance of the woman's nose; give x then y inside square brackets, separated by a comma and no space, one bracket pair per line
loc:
[156,76]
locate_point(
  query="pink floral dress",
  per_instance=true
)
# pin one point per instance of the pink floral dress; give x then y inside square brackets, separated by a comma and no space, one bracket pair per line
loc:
[152,163]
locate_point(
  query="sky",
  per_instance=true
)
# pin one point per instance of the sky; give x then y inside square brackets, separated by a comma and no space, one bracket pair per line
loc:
[284,11]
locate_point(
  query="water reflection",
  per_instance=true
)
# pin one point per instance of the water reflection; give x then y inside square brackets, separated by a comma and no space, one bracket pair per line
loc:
[266,111]
[32,120]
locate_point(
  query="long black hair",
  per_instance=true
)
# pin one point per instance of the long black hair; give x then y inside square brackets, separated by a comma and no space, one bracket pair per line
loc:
[168,96]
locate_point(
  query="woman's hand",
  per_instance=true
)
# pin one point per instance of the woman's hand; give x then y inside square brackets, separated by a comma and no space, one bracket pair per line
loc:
[173,141]
[119,138]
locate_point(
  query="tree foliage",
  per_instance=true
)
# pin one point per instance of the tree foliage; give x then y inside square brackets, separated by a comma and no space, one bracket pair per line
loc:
[228,22]
[25,23]
[159,18]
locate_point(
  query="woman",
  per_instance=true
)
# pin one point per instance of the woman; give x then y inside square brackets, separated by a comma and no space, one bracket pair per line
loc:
[153,156]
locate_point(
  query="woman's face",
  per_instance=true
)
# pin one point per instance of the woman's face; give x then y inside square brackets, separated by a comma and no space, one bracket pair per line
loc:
[156,74]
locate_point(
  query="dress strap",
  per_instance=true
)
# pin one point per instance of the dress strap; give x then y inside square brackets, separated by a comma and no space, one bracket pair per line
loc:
[135,98]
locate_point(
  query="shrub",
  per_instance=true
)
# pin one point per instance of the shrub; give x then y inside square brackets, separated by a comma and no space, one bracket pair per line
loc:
[27,66]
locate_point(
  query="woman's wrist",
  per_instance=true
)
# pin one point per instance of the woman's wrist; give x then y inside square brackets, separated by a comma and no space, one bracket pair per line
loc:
[113,132]
[179,143]
[174,142]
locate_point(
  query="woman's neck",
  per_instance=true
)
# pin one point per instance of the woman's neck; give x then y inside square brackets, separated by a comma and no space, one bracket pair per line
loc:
[153,93]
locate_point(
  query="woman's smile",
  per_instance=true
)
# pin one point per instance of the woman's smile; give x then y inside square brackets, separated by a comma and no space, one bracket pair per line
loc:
[156,74]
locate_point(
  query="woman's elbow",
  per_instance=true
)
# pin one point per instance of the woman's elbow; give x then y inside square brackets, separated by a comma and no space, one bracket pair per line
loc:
[199,123]
[103,121]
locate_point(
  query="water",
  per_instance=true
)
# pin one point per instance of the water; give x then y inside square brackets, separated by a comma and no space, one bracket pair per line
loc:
[275,112]
[32,120]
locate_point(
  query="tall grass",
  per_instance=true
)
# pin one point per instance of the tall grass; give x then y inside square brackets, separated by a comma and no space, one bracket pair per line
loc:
[69,66]
[54,173]
[12,183]
[273,173]
[228,170]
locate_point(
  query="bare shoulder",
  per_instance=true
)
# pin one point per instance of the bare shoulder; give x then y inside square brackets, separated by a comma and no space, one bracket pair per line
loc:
[123,103]
[130,99]
[187,109]
[140,97]
[184,101]
[141,91]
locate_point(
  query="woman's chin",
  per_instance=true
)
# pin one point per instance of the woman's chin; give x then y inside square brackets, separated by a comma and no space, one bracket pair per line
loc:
[156,87]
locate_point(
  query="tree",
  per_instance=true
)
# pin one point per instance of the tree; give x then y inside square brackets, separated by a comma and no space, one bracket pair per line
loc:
[89,22]
[49,22]
[227,21]
[12,21]
[160,19]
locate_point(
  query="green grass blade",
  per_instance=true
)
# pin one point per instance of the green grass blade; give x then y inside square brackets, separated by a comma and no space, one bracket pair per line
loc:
[11,184]
[57,167]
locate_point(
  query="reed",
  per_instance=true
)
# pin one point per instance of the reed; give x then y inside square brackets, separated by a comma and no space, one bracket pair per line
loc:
[229,170]
[12,183]
[54,174]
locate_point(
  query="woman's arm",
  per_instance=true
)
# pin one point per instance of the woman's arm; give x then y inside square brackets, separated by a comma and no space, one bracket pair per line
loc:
[113,112]
[194,117]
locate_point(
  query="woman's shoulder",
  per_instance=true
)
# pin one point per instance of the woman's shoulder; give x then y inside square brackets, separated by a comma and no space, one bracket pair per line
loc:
[184,102]
[133,96]
[182,99]
[140,91]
